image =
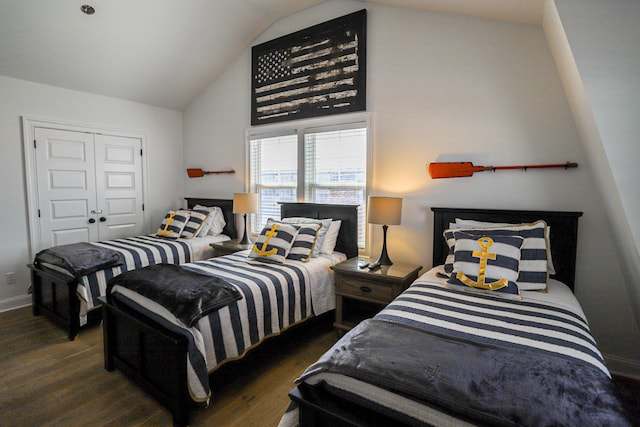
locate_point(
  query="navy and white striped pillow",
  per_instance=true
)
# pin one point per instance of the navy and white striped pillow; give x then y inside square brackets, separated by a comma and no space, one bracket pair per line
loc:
[325,224]
[173,224]
[533,260]
[470,223]
[197,219]
[274,242]
[305,242]
[497,274]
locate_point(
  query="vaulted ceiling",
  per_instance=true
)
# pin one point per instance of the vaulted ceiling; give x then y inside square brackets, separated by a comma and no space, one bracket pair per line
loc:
[165,52]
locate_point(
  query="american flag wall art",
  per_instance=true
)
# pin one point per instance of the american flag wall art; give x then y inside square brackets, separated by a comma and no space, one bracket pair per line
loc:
[317,71]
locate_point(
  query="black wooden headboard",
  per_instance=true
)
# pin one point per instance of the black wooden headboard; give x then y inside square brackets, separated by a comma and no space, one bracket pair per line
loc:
[347,238]
[227,209]
[563,230]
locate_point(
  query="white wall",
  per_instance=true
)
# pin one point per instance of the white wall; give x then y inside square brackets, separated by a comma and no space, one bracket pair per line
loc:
[18,98]
[444,88]
[599,66]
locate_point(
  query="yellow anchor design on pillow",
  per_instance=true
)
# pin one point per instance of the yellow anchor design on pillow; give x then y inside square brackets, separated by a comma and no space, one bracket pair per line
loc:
[165,231]
[485,243]
[271,233]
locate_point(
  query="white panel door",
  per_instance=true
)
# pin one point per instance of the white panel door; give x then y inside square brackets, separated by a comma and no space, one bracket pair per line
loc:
[119,186]
[66,186]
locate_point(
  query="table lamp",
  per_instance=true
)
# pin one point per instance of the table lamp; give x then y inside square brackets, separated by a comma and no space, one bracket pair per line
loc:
[384,211]
[245,203]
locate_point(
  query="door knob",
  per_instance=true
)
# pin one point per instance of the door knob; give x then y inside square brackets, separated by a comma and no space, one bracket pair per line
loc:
[92,220]
[102,219]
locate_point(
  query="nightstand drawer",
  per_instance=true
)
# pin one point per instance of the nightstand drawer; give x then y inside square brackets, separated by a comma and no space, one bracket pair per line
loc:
[364,289]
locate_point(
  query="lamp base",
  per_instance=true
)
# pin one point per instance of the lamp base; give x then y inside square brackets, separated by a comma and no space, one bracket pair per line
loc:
[384,259]
[245,236]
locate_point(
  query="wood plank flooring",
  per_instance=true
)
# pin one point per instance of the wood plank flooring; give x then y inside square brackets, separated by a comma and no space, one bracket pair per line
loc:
[46,380]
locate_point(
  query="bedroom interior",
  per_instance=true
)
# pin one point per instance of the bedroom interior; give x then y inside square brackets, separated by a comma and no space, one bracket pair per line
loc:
[496,82]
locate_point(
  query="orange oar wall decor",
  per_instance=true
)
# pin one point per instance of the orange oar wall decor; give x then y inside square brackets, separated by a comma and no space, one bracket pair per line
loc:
[198,173]
[462,169]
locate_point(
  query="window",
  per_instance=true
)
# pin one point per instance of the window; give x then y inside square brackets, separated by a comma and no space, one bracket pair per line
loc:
[319,164]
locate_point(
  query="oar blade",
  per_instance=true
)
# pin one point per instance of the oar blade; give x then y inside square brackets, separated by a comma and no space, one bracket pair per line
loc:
[195,173]
[452,169]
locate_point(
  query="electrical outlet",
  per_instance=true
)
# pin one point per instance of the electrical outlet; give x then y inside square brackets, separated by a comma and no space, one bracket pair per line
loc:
[11,278]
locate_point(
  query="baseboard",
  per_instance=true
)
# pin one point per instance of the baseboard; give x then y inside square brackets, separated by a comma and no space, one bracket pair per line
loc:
[624,367]
[15,302]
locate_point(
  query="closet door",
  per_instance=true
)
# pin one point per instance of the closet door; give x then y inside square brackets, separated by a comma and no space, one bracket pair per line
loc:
[118,162]
[65,186]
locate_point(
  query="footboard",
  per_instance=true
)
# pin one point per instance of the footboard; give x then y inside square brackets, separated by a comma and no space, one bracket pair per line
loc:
[54,294]
[318,407]
[149,354]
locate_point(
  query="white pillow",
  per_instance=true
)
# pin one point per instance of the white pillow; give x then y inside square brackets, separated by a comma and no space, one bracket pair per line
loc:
[470,223]
[215,222]
[331,238]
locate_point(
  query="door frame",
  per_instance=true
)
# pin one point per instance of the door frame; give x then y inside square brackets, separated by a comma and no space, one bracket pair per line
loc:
[28,136]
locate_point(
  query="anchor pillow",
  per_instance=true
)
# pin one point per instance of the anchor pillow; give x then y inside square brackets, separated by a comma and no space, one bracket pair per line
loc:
[533,261]
[274,242]
[173,224]
[486,264]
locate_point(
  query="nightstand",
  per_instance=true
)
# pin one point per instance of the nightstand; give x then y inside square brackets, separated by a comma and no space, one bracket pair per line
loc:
[361,293]
[229,247]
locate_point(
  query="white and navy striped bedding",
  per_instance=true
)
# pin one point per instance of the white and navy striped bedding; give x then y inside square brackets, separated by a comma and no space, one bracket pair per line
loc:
[550,322]
[530,323]
[138,252]
[275,296]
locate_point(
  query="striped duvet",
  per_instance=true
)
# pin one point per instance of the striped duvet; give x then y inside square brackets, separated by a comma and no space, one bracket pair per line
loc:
[550,323]
[138,252]
[274,297]
[530,324]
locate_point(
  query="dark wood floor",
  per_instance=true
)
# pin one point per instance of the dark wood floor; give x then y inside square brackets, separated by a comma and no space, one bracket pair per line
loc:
[46,380]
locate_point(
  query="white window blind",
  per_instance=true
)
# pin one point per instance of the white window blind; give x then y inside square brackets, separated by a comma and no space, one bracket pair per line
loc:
[336,170]
[321,165]
[273,174]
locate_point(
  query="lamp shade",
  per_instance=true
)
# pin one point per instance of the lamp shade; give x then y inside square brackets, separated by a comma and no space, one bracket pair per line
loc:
[244,203]
[384,210]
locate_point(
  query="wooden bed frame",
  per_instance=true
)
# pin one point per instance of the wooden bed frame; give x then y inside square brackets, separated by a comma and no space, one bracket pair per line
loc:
[154,356]
[317,407]
[54,293]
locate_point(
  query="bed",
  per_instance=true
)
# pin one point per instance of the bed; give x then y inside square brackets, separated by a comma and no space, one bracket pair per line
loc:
[172,359]
[72,300]
[439,355]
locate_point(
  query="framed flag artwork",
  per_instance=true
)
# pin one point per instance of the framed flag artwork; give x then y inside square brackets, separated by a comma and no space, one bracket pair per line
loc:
[318,71]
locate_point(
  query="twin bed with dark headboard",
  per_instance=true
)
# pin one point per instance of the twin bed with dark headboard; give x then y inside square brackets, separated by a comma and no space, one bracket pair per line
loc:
[439,355]
[172,362]
[434,356]
[67,296]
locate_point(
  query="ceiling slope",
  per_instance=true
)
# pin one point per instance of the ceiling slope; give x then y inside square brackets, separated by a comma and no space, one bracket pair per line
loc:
[161,52]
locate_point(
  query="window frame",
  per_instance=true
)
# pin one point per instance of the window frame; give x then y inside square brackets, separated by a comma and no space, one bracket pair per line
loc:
[302,127]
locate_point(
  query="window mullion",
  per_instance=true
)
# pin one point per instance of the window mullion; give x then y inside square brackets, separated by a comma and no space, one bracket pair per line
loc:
[330,165]
[300,193]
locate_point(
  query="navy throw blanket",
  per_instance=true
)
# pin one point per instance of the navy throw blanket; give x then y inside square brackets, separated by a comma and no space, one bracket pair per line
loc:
[188,295]
[80,259]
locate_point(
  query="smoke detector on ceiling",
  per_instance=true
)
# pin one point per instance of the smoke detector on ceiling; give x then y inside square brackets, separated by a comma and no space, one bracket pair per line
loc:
[87,9]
